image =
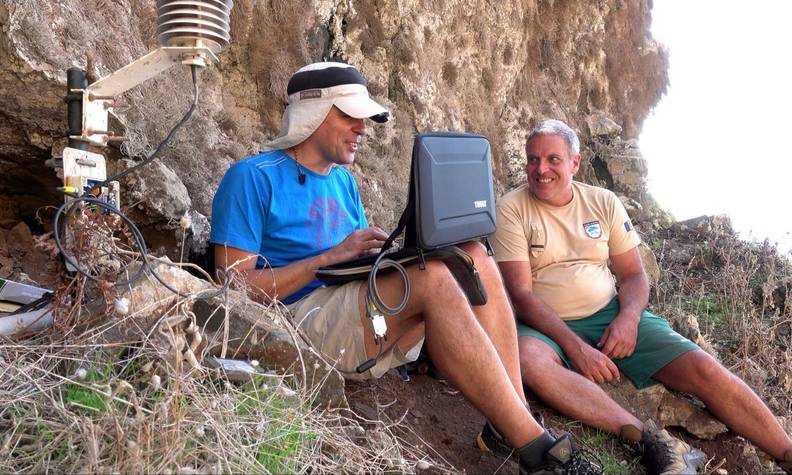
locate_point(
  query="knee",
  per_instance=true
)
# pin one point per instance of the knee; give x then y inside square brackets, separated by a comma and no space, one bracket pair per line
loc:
[484,262]
[476,250]
[431,279]
[535,359]
[706,373]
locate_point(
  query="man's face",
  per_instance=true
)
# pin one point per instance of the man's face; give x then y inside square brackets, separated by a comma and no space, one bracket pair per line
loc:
[550,169]
[338,138]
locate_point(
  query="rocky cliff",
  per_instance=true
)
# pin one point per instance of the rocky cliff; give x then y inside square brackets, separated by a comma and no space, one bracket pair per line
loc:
[490,67]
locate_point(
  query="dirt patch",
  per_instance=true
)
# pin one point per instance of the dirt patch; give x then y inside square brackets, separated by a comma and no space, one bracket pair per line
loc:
[436,418]
[435,415]
[727,451]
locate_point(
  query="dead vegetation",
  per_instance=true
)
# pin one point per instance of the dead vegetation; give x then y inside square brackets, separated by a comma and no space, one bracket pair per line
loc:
[739,293]
[73,400]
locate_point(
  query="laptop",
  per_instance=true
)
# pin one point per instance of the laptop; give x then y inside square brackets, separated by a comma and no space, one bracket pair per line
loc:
[451,201]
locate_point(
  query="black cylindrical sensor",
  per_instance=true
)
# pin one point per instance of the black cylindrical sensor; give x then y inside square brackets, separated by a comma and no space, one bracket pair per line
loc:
[76,78]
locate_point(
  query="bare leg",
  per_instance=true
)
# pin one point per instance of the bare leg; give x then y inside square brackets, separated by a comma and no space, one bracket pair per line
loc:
[496,317]
[567,391]
[728,398]
[458,345]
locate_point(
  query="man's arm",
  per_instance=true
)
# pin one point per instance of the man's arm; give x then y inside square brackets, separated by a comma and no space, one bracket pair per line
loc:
[618,340]
[590,362]
[280,282]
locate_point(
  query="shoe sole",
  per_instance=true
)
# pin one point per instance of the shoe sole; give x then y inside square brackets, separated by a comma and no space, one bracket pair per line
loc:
[695,460]
[482,446]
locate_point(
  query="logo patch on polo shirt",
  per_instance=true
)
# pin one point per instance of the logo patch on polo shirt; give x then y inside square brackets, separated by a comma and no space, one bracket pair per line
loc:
[593,229]
[627,226]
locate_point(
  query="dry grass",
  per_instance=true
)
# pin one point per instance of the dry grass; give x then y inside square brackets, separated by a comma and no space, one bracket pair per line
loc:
[740,293]
[71,400]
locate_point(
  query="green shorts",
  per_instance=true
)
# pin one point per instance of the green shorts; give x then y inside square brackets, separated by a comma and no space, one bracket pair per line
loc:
[657,345]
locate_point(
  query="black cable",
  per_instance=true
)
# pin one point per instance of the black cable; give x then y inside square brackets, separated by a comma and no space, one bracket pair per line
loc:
[139,240]
[37,304]
[193,71]
[58,224]
[366,364]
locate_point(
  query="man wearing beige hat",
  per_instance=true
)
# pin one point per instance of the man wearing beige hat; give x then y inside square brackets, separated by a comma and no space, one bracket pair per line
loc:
[280,215]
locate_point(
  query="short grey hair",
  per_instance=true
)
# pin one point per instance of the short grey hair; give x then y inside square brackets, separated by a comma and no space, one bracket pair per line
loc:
[557,127]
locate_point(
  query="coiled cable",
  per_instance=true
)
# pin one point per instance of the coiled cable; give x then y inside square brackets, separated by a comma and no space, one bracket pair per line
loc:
[374,303]
[70,205]
[58,224]
[373,297]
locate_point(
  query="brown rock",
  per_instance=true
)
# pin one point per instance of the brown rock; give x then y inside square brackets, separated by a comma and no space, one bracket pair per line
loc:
[650,264]
[19,240]
[668,409]
[599,125]
[688,326]
[254,331]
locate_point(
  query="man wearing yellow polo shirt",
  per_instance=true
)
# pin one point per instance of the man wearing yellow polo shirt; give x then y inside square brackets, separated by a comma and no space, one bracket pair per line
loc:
[577,329]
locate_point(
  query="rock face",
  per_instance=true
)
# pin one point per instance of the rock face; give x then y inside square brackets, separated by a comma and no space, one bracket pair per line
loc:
[443,65]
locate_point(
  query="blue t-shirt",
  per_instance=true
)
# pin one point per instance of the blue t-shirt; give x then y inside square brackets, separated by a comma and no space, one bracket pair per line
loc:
[260,207]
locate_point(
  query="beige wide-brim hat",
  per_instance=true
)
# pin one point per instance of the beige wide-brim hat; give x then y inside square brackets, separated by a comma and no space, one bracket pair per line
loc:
[313,91]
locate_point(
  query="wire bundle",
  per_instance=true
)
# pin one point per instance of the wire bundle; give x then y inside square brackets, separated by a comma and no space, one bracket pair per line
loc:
[59,220]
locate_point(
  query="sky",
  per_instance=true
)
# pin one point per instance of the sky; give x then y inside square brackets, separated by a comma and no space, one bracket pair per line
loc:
[718,141]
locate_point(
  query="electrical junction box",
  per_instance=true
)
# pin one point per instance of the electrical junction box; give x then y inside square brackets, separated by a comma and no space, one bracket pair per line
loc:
[81,166]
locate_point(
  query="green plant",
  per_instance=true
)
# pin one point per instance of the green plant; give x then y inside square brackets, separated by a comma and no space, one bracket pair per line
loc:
[282,434]
[709,309]
[85,399]
[596,437]
[612,466]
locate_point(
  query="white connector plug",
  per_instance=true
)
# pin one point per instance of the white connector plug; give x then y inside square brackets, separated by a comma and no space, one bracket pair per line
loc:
[380,327]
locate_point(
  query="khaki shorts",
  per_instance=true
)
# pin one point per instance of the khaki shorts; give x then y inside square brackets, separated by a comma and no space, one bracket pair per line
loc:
[330,318]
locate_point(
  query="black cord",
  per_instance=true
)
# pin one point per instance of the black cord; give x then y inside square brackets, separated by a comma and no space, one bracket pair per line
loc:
[139,241]
[366,364]
[193,71]
[37,304]
[58,226]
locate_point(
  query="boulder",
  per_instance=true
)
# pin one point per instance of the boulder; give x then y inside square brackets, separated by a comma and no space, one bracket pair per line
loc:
[650,264]
[232,326]
[600,125]
[665,407]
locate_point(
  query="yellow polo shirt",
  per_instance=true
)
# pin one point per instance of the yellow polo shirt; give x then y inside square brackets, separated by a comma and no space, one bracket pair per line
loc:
[568,246]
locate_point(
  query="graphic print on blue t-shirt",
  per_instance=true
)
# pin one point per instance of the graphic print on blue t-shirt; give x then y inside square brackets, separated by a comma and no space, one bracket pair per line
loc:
[262,208]
[326,220]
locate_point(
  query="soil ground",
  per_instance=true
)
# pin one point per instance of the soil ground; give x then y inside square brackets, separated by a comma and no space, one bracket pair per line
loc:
[439,421]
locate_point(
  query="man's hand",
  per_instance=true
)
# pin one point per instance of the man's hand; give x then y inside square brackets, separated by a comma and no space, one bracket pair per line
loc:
[618,340]
[358,243]
[594,365]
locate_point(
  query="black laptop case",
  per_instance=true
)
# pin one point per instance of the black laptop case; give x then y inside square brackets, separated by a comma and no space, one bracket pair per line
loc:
[450,201]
